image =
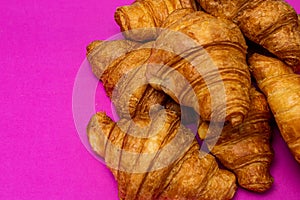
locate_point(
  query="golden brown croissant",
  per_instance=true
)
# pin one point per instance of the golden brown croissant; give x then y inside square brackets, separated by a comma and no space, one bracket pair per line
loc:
[102,54]
[246,149]
[139,20]
[120,65]
[282,89]
[158,159]
[201,62]
[270,23]
[111,61]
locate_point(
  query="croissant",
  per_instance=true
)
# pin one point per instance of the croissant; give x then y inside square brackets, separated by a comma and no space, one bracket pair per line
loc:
[246,149]
[200,61]
[140,20]
[111,61]
[282,89]
[270,23]
[119,64]
[103,54]
[158,159]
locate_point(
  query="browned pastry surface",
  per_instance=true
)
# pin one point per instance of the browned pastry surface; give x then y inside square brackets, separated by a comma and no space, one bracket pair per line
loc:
[121,66]
[270,23]
[139,20]
[246,149]
[158,159]
[282,89]
[202,56]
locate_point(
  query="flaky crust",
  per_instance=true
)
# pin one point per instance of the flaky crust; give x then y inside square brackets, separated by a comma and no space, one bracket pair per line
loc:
[246,149]
[175,167]
[121,66]
[139,20]
[208,55]
[270,23]
[282,89]
[104,54]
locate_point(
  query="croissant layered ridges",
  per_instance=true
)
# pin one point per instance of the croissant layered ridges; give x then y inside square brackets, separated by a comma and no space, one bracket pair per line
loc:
[103,55]
[140,20]
[187,173]
[281,87]
[245,149]
[270,23]
[121,66]
[177,65]
[201,60]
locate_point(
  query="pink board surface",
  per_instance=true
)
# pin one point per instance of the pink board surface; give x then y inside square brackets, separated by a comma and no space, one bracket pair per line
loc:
[42,52]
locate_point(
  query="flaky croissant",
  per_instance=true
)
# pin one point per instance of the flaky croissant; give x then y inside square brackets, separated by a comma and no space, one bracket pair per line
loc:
[102,54]
[270,23]
[200,61]
[282,89]
[246,149]
[120,65]
[158,159]
[139,20]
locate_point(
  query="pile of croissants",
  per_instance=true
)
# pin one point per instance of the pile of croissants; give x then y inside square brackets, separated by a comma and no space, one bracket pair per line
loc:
[227,67]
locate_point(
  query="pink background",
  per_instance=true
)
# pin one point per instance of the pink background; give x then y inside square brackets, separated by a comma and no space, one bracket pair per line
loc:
[41,49]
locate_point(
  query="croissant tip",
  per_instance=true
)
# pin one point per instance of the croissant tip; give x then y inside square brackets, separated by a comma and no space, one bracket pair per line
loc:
[259,187]
[92,46]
